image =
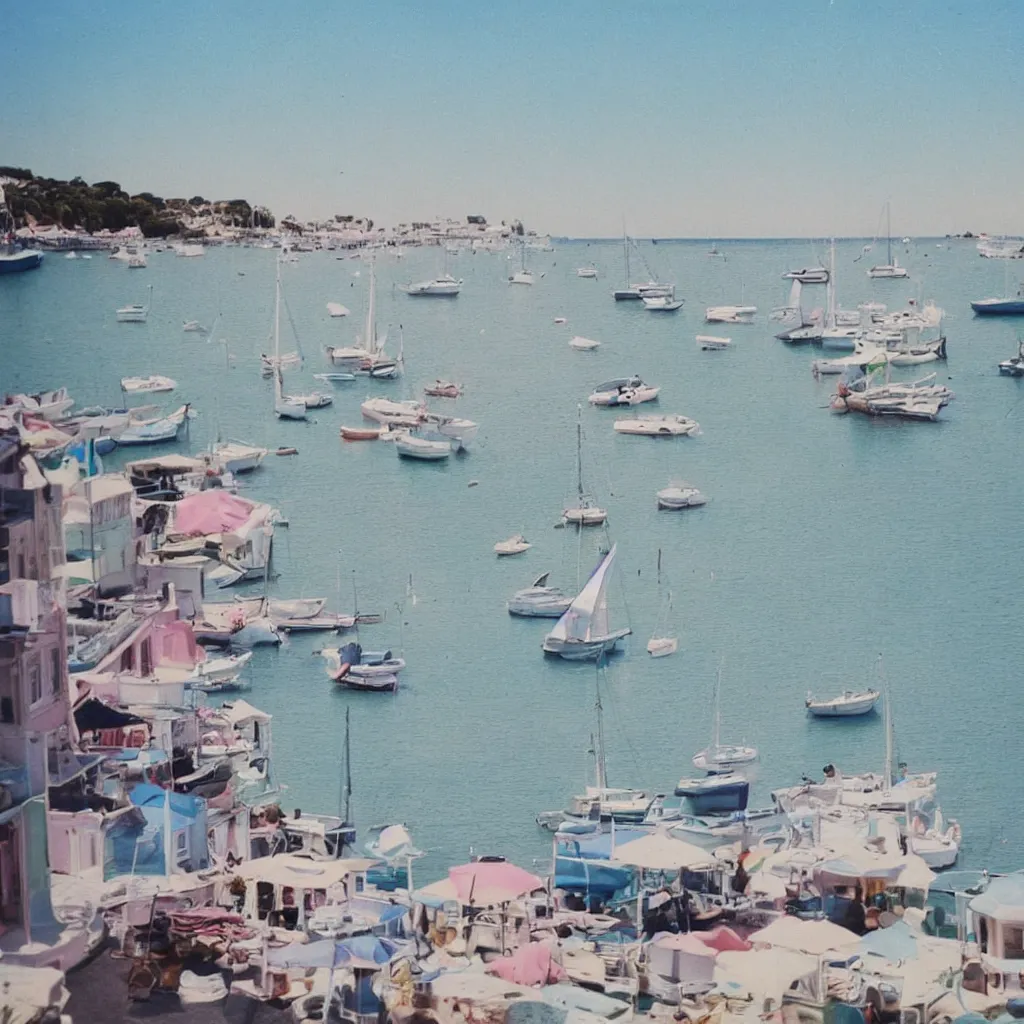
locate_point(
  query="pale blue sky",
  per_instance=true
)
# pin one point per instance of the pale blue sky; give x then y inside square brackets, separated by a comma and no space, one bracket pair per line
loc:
[704,118]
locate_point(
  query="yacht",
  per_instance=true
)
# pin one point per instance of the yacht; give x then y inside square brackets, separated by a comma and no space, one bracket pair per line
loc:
[729,314]
[661,303]
[539,601]
[1014,367]
[623,391]
[445,286]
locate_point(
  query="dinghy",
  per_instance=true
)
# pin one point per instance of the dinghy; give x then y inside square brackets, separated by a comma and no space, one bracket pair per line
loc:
[846,705]
[658,426]
[152,384]
[337,309]
[361,433]
[515,545]
[443,389]
[581,344]
[427,447]
[583,632]
[539,601]
[711,343]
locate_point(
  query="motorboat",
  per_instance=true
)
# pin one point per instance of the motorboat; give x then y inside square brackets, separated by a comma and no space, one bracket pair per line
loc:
[561,320]
[152,384]
[589,272]
[522,277]
[360,433]
[316,399]
[903,352]
[515,545]
[456,428]
[137,262]
[334,378]
[711,343]
[584,512]
[444,286]
[165,428]
[132,314]
[342,355]
[623,391]
[352,665]
[729,314]
[661,303]
[1014,367]
[428,447]
[193,327]
[662,646]
[45,405]
[18,260]
[863,355]
[715,794]
[583,632]
[387,411]
[582,344]
[848,704]
[891,268]
[219,670]
[336,309]
[807,275]
[938,846]
[539,601]
[696,829]
[443,389]
[658,426]
[680,496]
[238,457]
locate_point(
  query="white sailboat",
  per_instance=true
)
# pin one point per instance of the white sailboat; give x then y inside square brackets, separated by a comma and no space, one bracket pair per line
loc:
[444,286]
[523,275]
[377,365]
[891,267]
[719,757]
[583,632]
[583,513]
[285,406]
[662,643]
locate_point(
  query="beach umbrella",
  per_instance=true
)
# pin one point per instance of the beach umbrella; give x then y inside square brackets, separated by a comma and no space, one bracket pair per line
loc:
[815,937]
[660,852]
[916,874]
[486,882]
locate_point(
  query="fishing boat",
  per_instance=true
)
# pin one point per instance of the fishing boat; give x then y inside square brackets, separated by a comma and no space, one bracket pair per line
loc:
[711,343]
[715,794]
[154,431]
[848,704]
[891,267]
[426,446]
[443,389]
[662,643]
[718,756]
[729,314]
[1014,367]
[514,545]
[680,496]
[286,407]
[336,309]
[539,601]
[588,272]
[152,384]
[658,426]
[583,632]
[807,275]
[623,391]
[360,433]
[662,303]
[582,344]
[584,513]
[135,314]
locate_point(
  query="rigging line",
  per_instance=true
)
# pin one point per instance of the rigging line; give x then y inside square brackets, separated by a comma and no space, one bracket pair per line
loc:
[291,322]
[621,728]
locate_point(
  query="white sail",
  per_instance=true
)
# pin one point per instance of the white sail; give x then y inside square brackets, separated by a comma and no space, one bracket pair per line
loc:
[587,616]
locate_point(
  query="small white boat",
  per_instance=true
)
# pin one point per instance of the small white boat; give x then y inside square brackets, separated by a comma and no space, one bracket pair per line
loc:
[71,256]
[662,303]
[584,512]
[391,413]
[586,271]
[889,270]
[443,389]
[522,277]
[428,448]
[539,601]
[166,428]
[711,343]
[134,314]
[729,314]
[1014,367]
[808,275]
[218,670]
[316,399]
[585,515]
[147,385]
[583,344]
[847,704]
[515,545]
[193,327]
[658,426]
[455,428]
[561,320]
[344,355]
[269,363]
[623,391]
[288,407]
[237,457]
[334,378]
[137,262]
[337,309]
[679,497]
[662,646]
[444,287]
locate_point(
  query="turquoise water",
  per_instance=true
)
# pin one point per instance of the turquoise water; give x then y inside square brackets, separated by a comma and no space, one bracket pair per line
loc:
[826,541]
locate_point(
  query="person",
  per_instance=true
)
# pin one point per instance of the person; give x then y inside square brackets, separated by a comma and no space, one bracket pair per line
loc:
[855,916]
[741,879]
[832,774]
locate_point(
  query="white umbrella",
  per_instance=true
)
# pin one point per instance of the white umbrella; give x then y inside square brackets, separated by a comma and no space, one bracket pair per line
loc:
[764,973]
[916,874]
[815,937]
[660,852]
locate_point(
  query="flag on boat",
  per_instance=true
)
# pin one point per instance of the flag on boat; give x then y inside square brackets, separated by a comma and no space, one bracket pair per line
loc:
[877,364]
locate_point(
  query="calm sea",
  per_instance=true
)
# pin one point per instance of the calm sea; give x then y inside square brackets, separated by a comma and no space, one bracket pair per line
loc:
[827,540]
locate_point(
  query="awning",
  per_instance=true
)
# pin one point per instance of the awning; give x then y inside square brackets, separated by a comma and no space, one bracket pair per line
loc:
[301,872]
[93,714]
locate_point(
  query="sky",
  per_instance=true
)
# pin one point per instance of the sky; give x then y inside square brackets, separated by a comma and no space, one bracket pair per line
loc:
[679,118]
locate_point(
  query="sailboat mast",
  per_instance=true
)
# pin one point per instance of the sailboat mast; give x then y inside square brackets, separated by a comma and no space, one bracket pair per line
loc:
[371,310]
[346,791]
[887,714]
[601,773]
[579,453]
[888,232]
[716,734]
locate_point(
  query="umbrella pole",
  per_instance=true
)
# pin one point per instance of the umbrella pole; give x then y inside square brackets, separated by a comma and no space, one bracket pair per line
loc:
[639,903]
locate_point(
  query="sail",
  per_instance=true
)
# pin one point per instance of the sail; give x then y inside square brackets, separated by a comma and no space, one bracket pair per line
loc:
[794,295]
[370,339]
[587,616]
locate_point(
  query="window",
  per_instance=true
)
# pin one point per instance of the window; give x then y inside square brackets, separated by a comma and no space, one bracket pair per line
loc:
[56,659]
[1013,943]
[35,684]
[145,660]
[128,659]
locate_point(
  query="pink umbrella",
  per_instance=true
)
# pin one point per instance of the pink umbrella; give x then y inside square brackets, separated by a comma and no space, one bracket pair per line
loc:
[486,882]
[213,511]
[529,965]
[723,938]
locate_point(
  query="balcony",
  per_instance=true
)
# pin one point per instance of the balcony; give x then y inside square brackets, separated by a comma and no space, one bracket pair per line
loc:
[14,785]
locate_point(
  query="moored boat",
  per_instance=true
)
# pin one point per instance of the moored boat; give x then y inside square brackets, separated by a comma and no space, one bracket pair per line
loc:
[848,704]
[623,391]
[539,600]
[514,545]
[680,496]
[712,343]
[658,426]
[153,384]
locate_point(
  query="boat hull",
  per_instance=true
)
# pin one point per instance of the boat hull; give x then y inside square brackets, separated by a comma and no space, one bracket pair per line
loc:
[18,262]
[584,650]
[999,307]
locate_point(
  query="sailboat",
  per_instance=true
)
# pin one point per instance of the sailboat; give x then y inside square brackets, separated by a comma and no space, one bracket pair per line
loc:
[661,644]
[891,268]
[651,290]
[377,365]
[135,314]
[584,513]
[599,802]
[523,275]
[583,633]
[286,407]
[719,757]
[444,286]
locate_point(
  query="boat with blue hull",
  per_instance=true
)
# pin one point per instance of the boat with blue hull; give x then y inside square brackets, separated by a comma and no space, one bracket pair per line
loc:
[15,261]
[715,794]
[583,859]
